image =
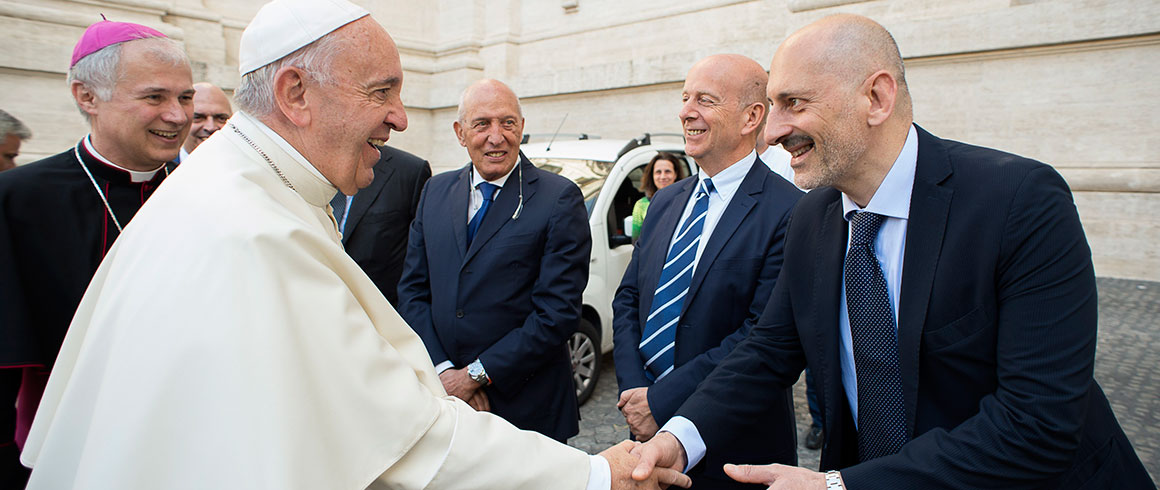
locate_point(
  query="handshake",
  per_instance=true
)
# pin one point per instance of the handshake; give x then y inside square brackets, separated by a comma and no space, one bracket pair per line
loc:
[630,471]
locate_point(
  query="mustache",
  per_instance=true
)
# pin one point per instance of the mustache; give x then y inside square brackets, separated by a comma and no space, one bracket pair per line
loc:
[795,140]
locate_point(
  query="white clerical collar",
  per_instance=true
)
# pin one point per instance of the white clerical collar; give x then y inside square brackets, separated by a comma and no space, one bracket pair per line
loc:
[134,175]
[892,199]
[476,178]
[727,181]
[288,148]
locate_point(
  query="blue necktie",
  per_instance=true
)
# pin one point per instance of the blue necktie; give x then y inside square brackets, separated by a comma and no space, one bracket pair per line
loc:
[881,414]
[488,191]
[659,336]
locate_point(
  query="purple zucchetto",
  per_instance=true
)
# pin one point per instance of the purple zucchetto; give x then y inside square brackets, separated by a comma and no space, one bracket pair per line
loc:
[107,33]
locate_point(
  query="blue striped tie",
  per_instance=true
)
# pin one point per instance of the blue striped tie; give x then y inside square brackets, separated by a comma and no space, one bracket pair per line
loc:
[660,329]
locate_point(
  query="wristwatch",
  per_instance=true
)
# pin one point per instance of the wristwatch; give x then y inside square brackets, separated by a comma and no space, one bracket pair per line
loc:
[477,373]
[834,481]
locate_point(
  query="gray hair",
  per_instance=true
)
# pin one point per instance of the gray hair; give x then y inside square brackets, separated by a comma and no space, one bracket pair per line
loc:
[463,103]
[101,70]
[255,95]
[10,125]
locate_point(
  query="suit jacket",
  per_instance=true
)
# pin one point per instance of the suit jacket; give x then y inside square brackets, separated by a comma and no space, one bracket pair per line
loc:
[380,217]
[996,335]
[511,299]
[729,289]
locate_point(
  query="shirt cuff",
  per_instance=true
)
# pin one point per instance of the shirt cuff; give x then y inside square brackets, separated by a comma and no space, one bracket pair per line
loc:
[599,474]
[443,366]
[689,437]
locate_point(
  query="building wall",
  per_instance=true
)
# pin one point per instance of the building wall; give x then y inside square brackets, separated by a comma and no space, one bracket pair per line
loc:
[1069,82]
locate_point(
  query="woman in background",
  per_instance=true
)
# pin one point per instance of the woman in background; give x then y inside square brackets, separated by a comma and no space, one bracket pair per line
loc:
[661,171]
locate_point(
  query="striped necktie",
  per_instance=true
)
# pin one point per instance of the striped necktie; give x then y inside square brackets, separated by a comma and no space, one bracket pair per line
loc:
[660,329]
[881,413]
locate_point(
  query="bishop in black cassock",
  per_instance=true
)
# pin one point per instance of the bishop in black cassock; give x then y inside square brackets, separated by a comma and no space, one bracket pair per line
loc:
[59,216]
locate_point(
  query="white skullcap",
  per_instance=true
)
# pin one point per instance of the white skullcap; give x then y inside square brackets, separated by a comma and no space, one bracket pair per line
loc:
[282,27]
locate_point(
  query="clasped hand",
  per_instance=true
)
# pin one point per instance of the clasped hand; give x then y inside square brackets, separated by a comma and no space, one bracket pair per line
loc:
[633,404]
[459,384]
[664,452]
[622,460]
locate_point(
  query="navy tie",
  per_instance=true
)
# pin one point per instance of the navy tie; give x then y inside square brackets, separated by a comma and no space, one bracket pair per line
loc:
[658,339]
[881,414]
[488,191]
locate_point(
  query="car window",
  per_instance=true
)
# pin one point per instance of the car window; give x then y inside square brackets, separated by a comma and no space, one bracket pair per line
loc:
[588,174]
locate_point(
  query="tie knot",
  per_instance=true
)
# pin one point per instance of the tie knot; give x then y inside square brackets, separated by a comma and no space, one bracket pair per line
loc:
[707,189]
[487,189]
[864,227]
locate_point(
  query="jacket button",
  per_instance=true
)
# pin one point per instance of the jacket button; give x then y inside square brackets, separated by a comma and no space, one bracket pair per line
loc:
[458,313]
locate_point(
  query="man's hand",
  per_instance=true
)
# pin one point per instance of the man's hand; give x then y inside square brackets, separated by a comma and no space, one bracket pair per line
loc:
[777,476]
[459,384]
[633,404]
[622,462]
[479,401]
[662,452]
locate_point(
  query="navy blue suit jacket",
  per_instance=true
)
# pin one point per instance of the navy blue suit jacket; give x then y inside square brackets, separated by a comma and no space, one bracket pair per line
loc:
[729,289]
[380,218]
[512,299]
[996,336]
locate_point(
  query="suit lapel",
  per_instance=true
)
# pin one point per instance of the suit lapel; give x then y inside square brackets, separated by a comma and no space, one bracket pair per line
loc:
[504,207]
[734,214]
[665,228]
[456,208]
[366,197]
[929,207]
[829,257]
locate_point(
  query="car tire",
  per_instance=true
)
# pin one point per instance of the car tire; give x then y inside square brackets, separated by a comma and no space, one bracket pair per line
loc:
[584,349]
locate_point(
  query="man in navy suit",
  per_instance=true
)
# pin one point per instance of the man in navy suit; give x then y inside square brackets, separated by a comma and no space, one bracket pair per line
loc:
[495,270]
[734,265]
[375,221]
[943,295]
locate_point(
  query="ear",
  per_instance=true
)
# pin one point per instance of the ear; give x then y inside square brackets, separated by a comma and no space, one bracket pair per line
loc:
[290,95]
[881,90]
[460,133]
[754,116]
[86,99]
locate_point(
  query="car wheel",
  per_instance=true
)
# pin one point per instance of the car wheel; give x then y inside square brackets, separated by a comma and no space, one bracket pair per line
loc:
[584,349]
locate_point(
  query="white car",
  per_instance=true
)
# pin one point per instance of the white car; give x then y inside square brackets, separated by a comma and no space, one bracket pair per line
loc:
[608,172]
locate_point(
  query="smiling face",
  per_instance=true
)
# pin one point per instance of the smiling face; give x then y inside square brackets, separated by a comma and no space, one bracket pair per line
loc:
[722,109]
[357,112]
[664,173]
[211,110]
[145,121]
[815,115]
[490,128]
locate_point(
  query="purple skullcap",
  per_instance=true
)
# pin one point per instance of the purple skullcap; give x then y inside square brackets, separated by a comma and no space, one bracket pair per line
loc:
[107,33]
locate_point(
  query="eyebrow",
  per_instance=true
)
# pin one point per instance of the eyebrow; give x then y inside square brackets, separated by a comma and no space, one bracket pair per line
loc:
[392,81]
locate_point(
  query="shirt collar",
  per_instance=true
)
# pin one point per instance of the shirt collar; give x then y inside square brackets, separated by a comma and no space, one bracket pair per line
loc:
[134,175]
[892,199]
[476,179]
[727,181]
[183,155]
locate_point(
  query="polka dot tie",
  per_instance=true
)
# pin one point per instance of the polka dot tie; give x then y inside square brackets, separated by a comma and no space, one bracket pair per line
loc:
[881,414]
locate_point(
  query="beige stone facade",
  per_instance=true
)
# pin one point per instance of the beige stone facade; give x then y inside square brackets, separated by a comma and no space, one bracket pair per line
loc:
[1070,82]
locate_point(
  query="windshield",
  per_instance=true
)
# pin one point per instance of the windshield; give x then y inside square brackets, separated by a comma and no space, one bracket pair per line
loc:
[588,174]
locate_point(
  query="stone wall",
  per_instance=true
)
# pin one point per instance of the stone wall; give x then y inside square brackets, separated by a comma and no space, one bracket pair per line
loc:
[1069,82]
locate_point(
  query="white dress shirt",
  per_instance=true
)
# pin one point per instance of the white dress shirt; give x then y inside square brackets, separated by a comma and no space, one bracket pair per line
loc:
[892,199]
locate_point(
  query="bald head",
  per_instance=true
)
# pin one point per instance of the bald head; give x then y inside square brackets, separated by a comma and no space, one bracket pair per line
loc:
[850,48]
[490,126]
[211,110]
[724,106]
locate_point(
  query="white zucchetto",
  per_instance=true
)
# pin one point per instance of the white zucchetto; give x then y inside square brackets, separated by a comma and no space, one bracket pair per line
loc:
[282,27]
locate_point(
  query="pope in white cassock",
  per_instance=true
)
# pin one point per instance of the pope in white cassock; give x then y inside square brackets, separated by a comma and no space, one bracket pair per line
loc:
[228,341]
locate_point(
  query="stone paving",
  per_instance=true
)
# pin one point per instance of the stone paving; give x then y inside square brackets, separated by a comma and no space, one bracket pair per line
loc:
[1127,368]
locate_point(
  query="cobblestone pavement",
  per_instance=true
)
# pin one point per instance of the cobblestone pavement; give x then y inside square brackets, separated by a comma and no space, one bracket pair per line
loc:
[1127,368]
